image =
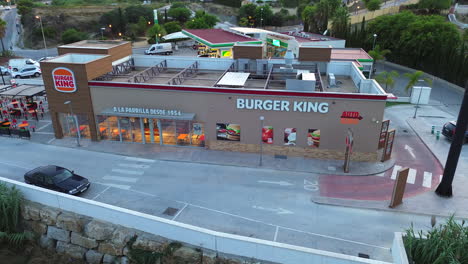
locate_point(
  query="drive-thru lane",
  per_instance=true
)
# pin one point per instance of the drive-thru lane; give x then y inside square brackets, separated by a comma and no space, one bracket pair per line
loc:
[267,204]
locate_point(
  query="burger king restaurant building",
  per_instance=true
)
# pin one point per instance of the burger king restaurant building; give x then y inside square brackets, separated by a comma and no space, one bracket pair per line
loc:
[220,104]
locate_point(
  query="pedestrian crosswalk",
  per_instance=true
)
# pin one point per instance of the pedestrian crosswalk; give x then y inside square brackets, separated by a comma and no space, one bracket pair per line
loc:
[415,177]
[127,172]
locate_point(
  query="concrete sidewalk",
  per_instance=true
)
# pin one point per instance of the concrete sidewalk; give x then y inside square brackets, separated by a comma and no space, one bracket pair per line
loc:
[227,158]
[427,203]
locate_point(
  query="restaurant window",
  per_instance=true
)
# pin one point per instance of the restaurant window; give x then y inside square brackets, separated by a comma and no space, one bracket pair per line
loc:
[313,138]
[130,129]
[168,130]
[69,128]
[290,136]
[103,127]
[226,131]
[198,135]
[267,134]
[182,132]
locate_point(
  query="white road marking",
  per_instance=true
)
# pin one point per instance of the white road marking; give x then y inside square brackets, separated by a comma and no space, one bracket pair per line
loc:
[44,126]
[107,188]
[128,172]
[396,168]
[276,234]
[117,178]
[265,223]
[14,165]
[411,176]
[119,186]
[410,150]
[282,183]
[380,174]
[427,180]
[44,133]
[139,159]
[135,166]
[278,210]
[178,213]
[331,168]
[311,185]
[50,141]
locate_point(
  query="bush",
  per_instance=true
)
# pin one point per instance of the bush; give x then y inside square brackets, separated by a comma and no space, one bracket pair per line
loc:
[172,27]
[231,3]
[447,243]
[10,205]
[72,35]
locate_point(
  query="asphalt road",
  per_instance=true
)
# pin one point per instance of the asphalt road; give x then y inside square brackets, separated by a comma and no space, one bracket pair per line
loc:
[266,204]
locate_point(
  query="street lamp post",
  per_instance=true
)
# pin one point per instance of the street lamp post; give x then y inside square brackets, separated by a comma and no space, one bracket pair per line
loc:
[419,98]
[102,33]
[261,17]
[69,103]
[373,63]
[43,36]
[261,140]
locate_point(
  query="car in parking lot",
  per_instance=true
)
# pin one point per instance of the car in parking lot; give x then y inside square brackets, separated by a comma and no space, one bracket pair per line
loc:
[27,72]
[448,130]
[4,70]
[57,178]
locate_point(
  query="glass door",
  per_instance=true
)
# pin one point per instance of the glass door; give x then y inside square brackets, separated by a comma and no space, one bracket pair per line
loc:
[155,128]
[168,132]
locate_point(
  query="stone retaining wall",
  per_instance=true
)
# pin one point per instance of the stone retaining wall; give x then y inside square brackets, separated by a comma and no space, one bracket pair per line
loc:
[101,242]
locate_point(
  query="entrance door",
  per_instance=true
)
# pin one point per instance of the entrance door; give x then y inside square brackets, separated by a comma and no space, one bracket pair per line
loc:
[168,131]
[151,128]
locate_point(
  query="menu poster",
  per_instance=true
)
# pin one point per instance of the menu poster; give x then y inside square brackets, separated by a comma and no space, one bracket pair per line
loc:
[230,132]
[197,128]
[267,134]
[290,136]
[313,138]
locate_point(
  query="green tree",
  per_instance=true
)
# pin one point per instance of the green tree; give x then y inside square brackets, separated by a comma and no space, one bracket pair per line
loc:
[180,14]
[435,4]
[387,78]
[340,23]
[172,27]
[117,19]
[210,20]
[378,54]
[3,27]
[24,7]
[263,12]
[196,23]
[72,35]
[308,16]
[134,12]
[243,22]
[373,5]
[179,5]
[156,31]
[413,79]
[317,16]
[247,10]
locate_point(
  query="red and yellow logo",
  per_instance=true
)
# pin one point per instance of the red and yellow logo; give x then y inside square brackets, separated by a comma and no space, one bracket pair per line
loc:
[64,80]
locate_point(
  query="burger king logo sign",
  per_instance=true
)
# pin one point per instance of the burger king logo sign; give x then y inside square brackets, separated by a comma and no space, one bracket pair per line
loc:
[64,80]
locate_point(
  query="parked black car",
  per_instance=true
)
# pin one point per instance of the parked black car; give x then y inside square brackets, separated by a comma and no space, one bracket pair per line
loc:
[58,179]
[449,130]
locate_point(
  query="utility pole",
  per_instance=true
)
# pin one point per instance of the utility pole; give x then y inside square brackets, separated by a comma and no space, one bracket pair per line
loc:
[445,187]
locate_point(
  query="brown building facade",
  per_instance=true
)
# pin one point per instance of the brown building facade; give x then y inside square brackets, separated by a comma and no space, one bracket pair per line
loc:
[235,119]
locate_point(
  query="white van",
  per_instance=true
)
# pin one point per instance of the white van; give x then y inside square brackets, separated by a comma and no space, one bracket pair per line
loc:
[17,64]
[159,49]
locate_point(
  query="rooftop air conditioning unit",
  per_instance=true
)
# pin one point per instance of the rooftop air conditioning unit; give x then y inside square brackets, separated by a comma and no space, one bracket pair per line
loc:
[331,80]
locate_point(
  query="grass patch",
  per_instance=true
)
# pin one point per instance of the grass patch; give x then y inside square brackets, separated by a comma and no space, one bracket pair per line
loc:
[388,104]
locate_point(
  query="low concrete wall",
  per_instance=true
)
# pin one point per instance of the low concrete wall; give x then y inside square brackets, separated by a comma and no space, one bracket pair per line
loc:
[400,100]
[398,249]
[199,237]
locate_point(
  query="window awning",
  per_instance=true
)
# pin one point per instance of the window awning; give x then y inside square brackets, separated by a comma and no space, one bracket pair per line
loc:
[24,90]
[182,116]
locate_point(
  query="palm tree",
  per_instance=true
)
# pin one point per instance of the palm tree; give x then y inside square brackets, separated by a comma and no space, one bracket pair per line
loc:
[387,78]
[414,78]
[340,23]
[3,26]
[378,54]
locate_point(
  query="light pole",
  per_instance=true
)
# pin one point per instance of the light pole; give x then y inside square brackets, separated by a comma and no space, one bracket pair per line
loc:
[43,36]
[373,63]
[102,33]
[261,139]
[69,103]
[261,17]
[419,98]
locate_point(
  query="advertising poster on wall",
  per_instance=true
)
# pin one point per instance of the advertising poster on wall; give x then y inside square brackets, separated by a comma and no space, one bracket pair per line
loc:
[290,136]
[229,132]
[267,134]
[313,138]
[197,129]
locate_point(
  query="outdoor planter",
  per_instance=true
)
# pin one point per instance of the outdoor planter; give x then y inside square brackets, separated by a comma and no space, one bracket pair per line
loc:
[5,131]
[24,134]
